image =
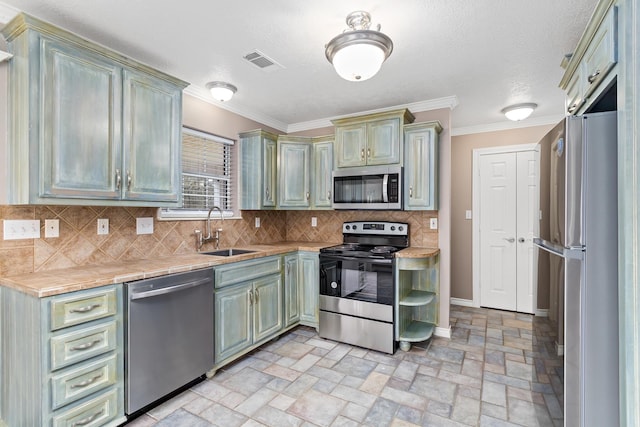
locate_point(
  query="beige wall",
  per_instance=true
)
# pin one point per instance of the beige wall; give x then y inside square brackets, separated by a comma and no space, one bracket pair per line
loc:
[461,185]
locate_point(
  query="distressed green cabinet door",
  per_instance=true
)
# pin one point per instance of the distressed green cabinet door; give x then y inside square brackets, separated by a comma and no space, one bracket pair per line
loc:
[351,146]
[383,142]
[292,290]
[421,166]
[151,138]
[269,173]
[267,306]
[80,104]
[309,268]
[294,174]
[233,316]
[322,168]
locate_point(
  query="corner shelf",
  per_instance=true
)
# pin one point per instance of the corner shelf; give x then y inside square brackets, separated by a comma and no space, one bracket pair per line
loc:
[417,299]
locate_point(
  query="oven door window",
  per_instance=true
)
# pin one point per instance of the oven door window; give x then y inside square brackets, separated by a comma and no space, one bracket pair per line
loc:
[363,280]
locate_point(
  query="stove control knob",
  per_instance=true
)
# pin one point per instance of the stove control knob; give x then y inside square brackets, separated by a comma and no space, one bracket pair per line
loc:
[355,226]
[348,227]
[393,228]
[401,228]
[334,285]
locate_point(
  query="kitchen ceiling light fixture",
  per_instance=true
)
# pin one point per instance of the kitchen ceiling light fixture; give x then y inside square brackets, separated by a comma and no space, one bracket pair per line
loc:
[222,91]
[358,53]
[519,112]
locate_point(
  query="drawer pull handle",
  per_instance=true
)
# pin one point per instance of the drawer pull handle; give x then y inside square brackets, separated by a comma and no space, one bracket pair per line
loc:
[368,152]
[362,154]
[86,346]
[85,309]
[410,192]
[129,179]
[329,195]
[572,108]
[87,382]
[592,78]
[118,179]
[85,421]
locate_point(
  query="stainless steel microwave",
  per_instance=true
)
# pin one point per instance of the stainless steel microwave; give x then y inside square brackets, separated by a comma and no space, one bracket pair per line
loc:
[376,187]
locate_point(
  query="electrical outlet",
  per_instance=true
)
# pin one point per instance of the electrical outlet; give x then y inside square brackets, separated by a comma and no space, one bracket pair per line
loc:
[314,221]
[51,228]
[144,225]
[103,226]
[257,222]
[467,214]
[15,229]
[433,223]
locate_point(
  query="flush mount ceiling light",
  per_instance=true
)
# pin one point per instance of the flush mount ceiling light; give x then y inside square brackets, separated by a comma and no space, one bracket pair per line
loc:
[222,91]
[358,53]
[519,112]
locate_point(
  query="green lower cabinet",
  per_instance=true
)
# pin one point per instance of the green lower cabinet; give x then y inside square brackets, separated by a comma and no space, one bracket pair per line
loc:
[245,314]
[417,299]
[62,358]
[292,289]
[309,283]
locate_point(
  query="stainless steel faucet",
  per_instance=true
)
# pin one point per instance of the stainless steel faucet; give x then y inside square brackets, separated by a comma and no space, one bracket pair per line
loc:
[200,239]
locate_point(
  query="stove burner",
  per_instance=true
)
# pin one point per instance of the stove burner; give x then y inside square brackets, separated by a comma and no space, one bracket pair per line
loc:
[383,249]
[344,246]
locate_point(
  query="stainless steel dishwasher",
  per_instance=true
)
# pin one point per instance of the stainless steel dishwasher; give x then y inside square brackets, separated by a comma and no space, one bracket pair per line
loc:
[168,335]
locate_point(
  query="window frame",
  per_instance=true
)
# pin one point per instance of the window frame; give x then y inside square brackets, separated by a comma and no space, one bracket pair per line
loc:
[199,214]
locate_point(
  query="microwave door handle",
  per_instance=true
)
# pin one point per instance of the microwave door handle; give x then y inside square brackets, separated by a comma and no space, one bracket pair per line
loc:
[385,188]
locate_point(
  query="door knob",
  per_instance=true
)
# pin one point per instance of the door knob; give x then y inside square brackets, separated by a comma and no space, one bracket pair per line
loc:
[521,240]
[510,239]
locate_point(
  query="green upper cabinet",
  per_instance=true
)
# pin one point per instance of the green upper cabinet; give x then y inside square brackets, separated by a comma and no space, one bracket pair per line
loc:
[322,168]
[259,155]
[87,125]
[375,139]
[421,166]
[152,124]
[294,172]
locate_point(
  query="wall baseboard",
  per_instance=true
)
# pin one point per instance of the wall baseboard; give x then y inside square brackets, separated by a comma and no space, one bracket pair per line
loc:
[462,302]
[542,312]
[443,332]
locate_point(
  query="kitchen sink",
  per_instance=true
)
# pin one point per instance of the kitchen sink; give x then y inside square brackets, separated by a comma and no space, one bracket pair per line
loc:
[228,252]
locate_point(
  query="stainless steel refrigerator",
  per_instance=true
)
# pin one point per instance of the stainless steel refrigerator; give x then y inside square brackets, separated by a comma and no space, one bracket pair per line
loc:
[580,237]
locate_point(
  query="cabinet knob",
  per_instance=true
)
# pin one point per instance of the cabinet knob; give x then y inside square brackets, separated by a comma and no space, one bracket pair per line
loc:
[368,152]
[329,195]
[267,192]
[592,77]
[572,108]
[362,154]
[410,192]
[129,179]
[308,196]
[250,294]
[118,179]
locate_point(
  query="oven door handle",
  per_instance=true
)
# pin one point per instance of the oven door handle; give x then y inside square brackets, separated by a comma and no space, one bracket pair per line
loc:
[353,258]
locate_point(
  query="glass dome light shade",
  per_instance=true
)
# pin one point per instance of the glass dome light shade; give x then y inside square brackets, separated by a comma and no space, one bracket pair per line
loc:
[519,111]
[221,91]
[358,62]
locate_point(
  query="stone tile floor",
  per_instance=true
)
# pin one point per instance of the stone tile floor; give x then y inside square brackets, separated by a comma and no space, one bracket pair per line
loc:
[498,369]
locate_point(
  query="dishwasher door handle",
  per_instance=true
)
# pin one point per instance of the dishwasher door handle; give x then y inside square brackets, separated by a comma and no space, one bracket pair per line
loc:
[168,289]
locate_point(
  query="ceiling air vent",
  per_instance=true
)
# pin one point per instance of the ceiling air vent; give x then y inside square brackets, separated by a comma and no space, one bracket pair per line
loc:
[262,61]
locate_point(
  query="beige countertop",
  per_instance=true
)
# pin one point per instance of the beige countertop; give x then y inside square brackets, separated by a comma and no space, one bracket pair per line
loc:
[55,282]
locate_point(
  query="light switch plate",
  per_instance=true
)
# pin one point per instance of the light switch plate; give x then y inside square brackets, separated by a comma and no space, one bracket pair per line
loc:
[467,214]
[51,228]
[103,226]
[257,222]
[314,221]
[15,229]
[433,223]
[144,225]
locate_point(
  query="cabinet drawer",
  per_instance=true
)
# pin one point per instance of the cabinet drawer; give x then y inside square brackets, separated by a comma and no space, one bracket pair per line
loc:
[68,311]
[602,53]
[76,382]
[82,344]
[93,413]
[247,270]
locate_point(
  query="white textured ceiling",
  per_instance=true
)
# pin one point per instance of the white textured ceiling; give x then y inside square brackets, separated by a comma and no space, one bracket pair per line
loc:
[486,54]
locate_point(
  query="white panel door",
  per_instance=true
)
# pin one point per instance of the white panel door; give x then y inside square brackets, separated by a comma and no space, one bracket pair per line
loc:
[498,273]
[527,225]
[509,219]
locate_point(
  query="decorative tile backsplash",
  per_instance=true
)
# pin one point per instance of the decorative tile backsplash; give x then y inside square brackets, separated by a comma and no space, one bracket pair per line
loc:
[79,243]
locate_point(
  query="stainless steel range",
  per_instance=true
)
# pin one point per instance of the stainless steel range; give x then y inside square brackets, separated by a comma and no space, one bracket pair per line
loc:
[357,284]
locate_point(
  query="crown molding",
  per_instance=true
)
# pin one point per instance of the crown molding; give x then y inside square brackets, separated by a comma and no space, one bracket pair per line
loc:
[433,104]
[7,13]
[506,125]
[204,95]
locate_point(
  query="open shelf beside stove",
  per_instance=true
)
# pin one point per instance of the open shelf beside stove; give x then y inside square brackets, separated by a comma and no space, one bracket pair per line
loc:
[417,302]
